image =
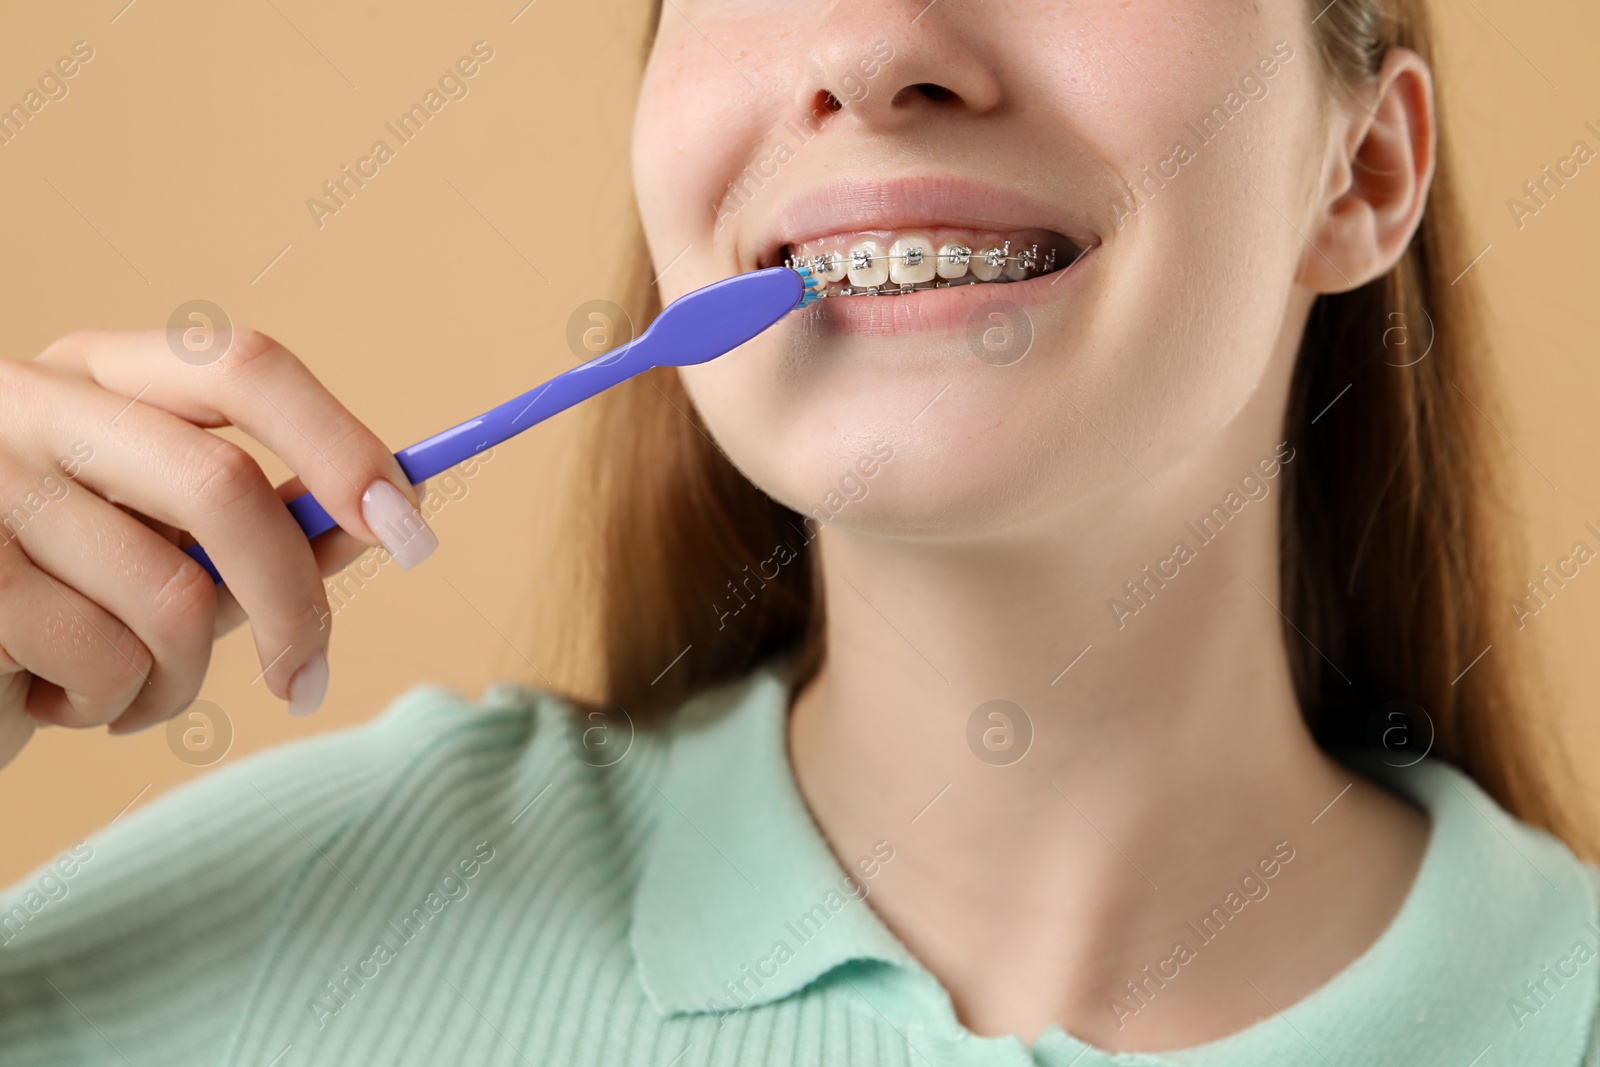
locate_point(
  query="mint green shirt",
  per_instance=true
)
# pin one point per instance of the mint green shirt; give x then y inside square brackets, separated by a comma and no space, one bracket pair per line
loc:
[460,882]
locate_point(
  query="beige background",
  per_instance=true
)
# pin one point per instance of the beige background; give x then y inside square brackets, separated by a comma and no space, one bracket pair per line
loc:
[179,166]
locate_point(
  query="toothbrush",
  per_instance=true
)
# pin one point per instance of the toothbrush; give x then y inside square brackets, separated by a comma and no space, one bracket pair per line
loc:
[694,328]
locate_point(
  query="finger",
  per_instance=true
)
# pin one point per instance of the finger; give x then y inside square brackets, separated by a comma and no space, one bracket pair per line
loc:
[176,473]
[16,725]
[97,665]
[137,576]
[259,386]
[333,551]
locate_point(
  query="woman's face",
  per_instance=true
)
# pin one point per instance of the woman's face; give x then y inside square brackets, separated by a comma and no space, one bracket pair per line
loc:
[1173,148]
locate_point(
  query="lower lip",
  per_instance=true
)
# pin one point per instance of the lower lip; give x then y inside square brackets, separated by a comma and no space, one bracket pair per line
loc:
[940,310]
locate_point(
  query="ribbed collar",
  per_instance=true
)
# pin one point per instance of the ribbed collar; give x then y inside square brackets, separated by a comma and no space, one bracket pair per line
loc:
[737,868]
[736,865]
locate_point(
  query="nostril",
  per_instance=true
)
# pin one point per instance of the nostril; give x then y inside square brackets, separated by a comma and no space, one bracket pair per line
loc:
[826,101]
[927,90]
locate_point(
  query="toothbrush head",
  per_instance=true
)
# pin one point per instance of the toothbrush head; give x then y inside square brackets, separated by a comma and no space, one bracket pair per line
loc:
[813,287]
[708,322]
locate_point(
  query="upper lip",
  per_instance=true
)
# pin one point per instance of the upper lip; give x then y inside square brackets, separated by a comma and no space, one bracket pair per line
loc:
[904,203]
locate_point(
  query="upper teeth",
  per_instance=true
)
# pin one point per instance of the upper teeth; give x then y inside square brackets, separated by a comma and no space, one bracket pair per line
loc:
[953,259]
[910,259]
[990,263]
[913,261]
[868,266]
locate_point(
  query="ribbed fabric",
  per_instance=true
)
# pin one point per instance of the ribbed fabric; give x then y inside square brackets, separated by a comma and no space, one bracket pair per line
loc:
[457,882]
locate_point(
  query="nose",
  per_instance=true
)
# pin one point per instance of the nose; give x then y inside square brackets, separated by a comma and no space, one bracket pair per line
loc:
[886,65]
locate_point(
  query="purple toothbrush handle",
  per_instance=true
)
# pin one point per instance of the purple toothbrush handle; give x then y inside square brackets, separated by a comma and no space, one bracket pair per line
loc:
[696,327]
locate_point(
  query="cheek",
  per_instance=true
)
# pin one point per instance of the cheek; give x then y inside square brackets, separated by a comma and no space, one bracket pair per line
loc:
[696,125]
[672,164]
[1207,258]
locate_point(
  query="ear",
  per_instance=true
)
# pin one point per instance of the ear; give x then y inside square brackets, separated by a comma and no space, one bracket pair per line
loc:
[1376,183]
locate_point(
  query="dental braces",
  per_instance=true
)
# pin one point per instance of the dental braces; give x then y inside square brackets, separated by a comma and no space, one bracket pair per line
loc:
[824,263]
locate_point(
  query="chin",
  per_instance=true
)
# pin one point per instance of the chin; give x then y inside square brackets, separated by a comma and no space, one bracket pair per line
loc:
[868,470]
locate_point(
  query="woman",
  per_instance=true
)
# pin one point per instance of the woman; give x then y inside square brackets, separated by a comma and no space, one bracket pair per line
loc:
[1037,674]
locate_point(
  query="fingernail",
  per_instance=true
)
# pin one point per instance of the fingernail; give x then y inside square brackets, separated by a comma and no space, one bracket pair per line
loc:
[135,730]
[401,528]
[309,685]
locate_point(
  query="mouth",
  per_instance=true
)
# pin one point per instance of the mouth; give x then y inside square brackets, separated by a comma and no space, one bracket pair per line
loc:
[930,243]
[900,262]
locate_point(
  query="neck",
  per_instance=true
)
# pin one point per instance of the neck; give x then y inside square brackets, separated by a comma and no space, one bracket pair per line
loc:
[1167,753]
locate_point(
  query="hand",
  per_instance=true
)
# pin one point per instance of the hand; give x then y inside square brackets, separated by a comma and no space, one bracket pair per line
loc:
[107,469]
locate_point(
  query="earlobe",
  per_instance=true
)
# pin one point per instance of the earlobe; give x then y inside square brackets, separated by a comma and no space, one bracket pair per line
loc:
[1378,188]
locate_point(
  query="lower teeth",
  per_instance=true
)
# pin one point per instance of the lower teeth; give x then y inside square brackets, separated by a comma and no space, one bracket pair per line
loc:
[896,288]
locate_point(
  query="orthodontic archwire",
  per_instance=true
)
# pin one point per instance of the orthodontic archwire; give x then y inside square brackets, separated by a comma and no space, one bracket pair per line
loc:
[813,266]
[813,285]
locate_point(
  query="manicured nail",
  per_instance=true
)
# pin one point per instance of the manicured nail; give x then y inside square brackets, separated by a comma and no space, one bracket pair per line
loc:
[309,685]
[401,527]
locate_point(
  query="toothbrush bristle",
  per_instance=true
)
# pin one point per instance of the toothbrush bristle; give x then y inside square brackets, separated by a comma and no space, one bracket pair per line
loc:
[812,285]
